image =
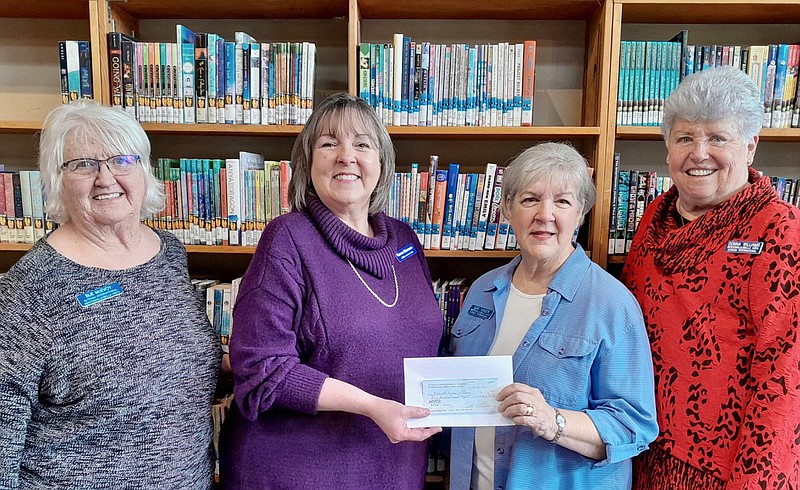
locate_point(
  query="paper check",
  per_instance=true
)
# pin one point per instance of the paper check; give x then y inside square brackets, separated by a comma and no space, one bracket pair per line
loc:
[460,395]
[459,391]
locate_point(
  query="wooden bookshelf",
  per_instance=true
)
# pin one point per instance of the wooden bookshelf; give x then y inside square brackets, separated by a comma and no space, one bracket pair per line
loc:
[725,22]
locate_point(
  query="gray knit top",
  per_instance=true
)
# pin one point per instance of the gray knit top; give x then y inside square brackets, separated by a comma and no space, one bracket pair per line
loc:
[106,377]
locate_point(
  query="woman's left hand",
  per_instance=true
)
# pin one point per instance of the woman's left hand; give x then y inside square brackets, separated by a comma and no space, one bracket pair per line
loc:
[527,407]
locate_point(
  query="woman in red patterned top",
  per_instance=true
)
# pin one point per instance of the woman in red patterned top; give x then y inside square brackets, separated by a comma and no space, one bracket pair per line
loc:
[715,266]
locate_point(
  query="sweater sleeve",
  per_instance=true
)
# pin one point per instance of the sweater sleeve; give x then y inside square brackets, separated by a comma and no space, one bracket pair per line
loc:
[265,345]
[768,453]
[22,357]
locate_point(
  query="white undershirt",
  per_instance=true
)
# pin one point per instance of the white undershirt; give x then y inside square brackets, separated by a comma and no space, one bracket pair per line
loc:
[521,311]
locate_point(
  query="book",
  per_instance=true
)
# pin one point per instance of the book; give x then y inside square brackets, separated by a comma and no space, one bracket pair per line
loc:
[485,206]
[201,76]
[186,46]
[493,220]
[115,68]
[450,204]
[64,71]
[528,81]
[73,70]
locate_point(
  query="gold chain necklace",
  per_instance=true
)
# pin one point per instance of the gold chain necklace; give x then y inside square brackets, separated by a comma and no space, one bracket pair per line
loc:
[384,303]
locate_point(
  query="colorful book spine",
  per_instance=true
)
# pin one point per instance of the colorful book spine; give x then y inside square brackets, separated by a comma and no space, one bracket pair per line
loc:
[186,43]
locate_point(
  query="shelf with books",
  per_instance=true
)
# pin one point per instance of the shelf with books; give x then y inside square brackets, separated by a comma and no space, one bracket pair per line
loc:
[30,85]
[722,23]
[570,73]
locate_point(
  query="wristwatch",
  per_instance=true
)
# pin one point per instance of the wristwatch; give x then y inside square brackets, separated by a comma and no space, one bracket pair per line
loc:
[561,422]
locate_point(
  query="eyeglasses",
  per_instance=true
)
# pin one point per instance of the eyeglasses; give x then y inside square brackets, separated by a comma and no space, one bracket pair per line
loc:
[117,165]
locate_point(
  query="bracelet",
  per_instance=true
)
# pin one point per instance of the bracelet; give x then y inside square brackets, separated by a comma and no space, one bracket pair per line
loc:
[561,423]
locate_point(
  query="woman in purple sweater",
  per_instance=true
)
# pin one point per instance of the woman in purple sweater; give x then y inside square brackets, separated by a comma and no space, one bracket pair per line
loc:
[337,294]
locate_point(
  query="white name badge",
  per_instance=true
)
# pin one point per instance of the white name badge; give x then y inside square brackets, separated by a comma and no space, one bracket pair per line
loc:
[742,247]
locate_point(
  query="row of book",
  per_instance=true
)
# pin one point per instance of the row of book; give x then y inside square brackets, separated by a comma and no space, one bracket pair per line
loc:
[651,70]
[221,202]
[648,72]
[219,410]
[202,78]
[450,210]
[631,192]
[413,83]
[75,61]
[787,189]
[219,298]
[22,217]
[450,294]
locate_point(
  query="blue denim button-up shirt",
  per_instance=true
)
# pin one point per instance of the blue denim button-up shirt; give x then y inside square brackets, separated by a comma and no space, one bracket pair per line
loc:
[587,351]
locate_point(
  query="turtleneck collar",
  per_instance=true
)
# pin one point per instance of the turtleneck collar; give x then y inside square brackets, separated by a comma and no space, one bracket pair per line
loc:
[372,254]
[680,247]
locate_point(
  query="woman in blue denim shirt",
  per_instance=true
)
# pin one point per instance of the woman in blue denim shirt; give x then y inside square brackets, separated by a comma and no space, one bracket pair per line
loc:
[582,401]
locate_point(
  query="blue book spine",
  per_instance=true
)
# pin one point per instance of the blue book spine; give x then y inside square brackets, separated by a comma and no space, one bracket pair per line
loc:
[186,40]
[467,232]
[449,206]
[85,66]
[230,82]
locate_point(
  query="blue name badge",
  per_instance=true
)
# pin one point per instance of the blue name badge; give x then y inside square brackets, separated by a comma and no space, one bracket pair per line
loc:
[406,252]
[741,247]
[480,312]
[100,294]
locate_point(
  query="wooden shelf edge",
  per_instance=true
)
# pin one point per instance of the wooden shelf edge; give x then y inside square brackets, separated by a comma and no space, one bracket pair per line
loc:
[653,133]
[15,247]
[224,129]
[20,127]
[617,259]
[483,254]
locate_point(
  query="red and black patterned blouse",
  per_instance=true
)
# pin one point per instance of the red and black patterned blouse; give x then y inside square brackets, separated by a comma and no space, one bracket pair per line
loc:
[723,325]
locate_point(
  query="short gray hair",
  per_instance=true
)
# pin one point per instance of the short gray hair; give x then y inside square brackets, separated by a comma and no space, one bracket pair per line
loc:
[715,94]
[550,162]
[85,121]
[336,114]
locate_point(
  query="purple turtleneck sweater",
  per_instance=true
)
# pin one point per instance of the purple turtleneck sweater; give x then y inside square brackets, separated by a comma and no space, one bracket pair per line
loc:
[302,315]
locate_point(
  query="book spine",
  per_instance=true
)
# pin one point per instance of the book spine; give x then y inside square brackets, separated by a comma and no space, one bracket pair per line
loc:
[612,223]
[115,68]
[494,213]
[255,83]
[486,204]
[73,70]
[85,67]
[246,98]
[450,202]
[212,61]
[230,83]
[186,41]
[440,197]
[528,81]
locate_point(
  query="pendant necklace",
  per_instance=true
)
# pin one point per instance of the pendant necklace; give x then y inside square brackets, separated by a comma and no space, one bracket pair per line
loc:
[396,288]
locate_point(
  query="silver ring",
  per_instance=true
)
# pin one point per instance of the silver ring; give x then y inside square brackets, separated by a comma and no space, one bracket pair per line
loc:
[528,409]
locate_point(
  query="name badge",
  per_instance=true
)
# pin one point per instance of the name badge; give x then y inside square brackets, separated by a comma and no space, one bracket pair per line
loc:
[741,247]
[480,312]
[100,294]
[406,252]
